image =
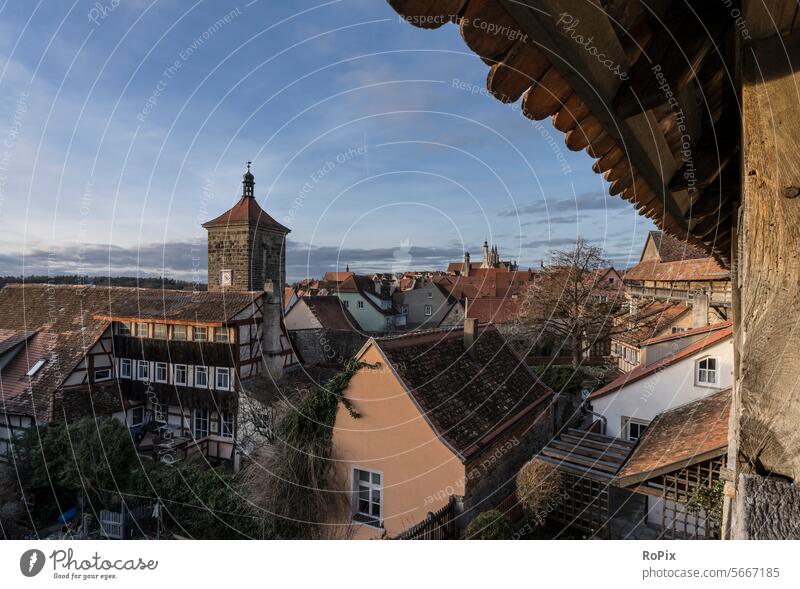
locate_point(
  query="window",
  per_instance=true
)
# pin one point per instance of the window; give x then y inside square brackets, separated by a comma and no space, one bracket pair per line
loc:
[428,310]
[160,330]
[179,378]
[142,370]
[634,428]
[35,368]
[225,277]
[123,329]
[346,304]
[405,310]
[201,376]
[160,412]
[137,416]
[200,423]
[226,424]
[429,294]
[223,378]
[125,368]
[141,330]
[367,489]
[360,304]
[677,329]
[179,332]
[221,334]
[161,372]
[199,333]
[635,356]
[707,371]
[102,374]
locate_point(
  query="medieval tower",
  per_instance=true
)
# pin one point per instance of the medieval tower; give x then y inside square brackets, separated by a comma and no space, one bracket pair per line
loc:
[246,247]
[247,252]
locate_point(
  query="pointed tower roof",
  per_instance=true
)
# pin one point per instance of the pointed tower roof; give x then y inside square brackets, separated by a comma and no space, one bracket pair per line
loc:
[247,211]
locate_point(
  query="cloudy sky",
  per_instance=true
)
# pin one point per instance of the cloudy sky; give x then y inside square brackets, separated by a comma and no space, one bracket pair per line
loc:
[124,125]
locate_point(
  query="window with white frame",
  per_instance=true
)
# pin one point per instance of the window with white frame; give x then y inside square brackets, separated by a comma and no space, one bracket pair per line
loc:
[223,378]
[161,372]
[368,496]
[221,334]
[200,423]
[179,375]
[428,310]
[141,330]
[124,368]
[201,376]
[707,371]
[200,333]
[143,370]
[123,329]
[137,416]
[634,428]
[160,330]
[226,424]
[102,374]
[346,304]
[360,304]
[160,412]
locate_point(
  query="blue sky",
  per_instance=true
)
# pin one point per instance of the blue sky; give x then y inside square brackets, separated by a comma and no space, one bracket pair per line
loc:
[124,125]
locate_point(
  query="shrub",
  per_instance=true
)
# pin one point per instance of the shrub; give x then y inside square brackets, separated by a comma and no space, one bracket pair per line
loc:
[490,525]
[538,484]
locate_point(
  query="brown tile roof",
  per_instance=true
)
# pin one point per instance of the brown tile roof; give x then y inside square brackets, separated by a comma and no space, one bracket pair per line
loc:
[330,312]
[467,401]
[678,438]
[674,250]
[493,309]
[336,276]
[175,305]
[643,370]
[245,212]
[651,319]
[680,271]
[9,338]
[689,332]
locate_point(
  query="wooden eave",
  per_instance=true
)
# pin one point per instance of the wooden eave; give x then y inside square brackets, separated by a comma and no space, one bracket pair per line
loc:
[630,129]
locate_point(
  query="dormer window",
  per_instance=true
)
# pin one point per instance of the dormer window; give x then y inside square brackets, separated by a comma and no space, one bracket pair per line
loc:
[200,333]
[160,330]
[141,330]
[123,329]
[36,367]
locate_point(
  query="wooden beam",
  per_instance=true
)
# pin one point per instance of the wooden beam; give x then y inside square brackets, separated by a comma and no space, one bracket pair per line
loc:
[569,115]
[582,136]
[523,66]
[488,29]
[428,15]
[547,96]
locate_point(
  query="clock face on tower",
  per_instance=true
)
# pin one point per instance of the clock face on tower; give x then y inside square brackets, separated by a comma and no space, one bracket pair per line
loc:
[226,277]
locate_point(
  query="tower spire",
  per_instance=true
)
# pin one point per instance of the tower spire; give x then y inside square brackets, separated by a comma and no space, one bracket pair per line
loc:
[248,183]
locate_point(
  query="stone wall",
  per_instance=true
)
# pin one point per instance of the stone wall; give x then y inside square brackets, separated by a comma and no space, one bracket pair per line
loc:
[255,254]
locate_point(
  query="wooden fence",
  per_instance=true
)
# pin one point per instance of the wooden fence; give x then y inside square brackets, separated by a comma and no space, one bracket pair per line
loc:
[439,525]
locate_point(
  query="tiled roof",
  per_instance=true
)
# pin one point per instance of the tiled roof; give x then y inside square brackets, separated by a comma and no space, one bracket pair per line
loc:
[680,271]
[9,338]
[466,400]
[643,370]
[245,212]
[330,312]
[673,250]
[678,438]
[689,332]
[174,305]
[493,309]
[337,276]
[651,319]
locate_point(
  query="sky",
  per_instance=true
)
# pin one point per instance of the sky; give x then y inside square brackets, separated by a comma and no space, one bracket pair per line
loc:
[125,124]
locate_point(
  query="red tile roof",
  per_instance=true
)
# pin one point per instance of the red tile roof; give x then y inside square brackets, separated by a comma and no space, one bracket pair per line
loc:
[467,401]
[680,271]
[678,438]
[245,212]
[643,370]
[673,250]
[689,332]
[493,309]
[651,319]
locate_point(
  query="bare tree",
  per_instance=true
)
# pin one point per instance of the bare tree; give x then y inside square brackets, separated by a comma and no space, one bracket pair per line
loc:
[570,303]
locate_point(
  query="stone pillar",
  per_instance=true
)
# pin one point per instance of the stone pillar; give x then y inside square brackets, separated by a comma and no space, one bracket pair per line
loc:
[700,309]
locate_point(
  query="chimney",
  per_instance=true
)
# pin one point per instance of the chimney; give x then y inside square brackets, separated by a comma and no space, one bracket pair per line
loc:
[700,309]
[465,269]
[470,331]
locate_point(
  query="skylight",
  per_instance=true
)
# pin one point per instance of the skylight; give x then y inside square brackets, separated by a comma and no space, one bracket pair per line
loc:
[35,368]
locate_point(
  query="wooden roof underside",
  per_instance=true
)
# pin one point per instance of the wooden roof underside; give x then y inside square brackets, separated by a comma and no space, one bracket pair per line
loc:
[636,132]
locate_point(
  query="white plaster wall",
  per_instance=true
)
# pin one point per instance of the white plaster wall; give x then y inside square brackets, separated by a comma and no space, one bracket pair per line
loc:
[663,390]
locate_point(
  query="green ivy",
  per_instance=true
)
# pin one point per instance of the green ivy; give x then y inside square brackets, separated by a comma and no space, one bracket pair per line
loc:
[708,499]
